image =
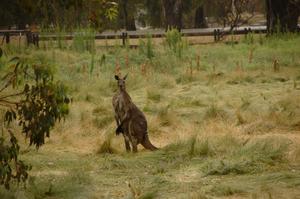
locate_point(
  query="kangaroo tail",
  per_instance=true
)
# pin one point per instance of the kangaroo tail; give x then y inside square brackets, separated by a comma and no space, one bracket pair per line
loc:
[147,144]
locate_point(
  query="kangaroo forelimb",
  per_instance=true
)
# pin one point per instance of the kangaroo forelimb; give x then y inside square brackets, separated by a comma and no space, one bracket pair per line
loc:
[119,130]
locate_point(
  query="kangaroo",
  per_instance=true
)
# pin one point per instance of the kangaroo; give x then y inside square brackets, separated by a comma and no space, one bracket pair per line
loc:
[130,120]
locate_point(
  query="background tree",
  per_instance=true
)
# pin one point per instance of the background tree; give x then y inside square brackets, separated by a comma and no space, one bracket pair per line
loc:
[173,10]
[13,12]
[171,13]
[154,13]
[232,13]
[127,12]
[30,99]
[282,15]
[200,21]
[67,14]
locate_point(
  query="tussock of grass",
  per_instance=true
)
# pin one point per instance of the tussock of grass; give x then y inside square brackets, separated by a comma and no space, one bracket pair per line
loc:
[148,195]
[153,94]
[134,81]
[115,163]
[165,81]
[57,186]
[189,101]
[225,190]
[89,98]
[220,167]
[150,108]
[259,127]
[186,78]
[286,112]
[255,156]
[240,118]
[190,148]
[103,121]
[214,112]
[228,155]
[106,146]
[100,110]
[241,80]
[266,150]
[296,155]
[245,103]
[164,116]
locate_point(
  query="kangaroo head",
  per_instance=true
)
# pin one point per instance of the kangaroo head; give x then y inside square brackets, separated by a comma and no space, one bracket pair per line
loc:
[121,82]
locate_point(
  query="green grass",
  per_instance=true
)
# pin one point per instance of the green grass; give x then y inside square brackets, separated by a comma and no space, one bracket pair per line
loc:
[153,94]
[229,128]
[153,173]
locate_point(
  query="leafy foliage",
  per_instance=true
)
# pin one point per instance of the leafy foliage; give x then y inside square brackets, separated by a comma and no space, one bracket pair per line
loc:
[231,13]
[8,154]
[147,48]
[66,14]
[36,108]
[174,41]
[84,40]
[102,12]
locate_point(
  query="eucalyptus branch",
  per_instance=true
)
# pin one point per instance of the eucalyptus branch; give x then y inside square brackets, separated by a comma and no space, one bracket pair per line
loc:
[11,95]
[6,105]
[8,83]
[29,75]
[237,21]
[8,102]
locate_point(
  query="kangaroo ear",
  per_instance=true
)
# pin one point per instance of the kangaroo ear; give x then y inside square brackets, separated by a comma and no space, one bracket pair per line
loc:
[117,77]
[125,76]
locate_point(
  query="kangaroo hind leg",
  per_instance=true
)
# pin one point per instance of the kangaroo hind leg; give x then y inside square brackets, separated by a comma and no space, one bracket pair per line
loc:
[127,143]
[134,143]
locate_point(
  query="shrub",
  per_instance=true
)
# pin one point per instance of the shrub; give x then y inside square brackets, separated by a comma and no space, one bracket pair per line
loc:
[147,48]
[174,42]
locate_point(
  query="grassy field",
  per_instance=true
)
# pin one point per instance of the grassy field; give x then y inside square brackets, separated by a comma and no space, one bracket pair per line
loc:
[226,118]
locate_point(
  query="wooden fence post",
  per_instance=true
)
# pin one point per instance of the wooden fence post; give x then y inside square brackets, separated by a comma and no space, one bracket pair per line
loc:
[7,38]
[218,35]
[124,37]
[246,33]
[29,37]
[19,40]
[215,35]
[35,37]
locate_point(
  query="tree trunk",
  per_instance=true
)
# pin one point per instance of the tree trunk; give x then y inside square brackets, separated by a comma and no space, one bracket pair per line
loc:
[173,13]
[129,21]
[200,21]
[282,15]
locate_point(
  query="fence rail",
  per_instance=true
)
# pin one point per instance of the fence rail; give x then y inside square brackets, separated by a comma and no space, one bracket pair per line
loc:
[158,33]
[218,33]
[31,37]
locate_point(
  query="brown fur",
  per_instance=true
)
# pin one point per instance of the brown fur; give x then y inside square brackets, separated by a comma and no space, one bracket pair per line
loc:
[130,120]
